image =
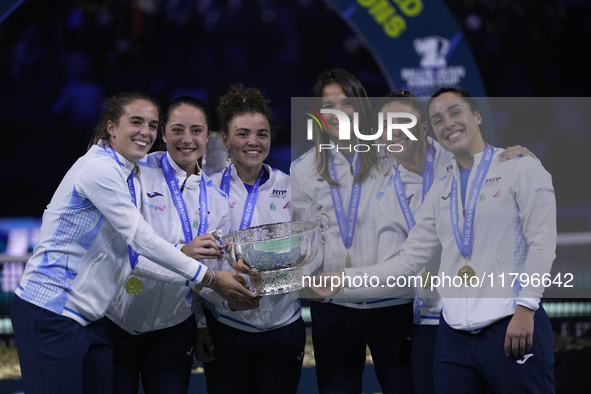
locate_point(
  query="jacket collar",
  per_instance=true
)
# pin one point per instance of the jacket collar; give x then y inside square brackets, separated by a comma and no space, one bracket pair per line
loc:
[234,176]
[127,165]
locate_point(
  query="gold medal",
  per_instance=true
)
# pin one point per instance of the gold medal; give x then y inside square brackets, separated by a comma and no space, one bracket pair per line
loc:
[426,279]
[348,262]
[466,272]
[240,279]
[133,286]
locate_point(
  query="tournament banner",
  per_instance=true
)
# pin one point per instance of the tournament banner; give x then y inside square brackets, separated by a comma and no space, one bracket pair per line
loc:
[417,44]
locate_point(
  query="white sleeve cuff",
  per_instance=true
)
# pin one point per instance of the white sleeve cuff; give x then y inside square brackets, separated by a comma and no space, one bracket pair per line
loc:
[530,303]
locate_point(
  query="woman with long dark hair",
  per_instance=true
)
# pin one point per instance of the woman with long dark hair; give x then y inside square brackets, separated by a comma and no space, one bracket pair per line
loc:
[492,219]
[339,185]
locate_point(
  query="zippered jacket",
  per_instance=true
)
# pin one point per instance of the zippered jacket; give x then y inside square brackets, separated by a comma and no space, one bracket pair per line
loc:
[161,304]
[273,205]
[82,260]
[514,233]
[311,196]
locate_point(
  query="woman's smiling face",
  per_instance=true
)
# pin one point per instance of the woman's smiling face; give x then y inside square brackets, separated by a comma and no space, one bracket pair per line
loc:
[409,147]
[455,125]
[248,140]
[186,135]
[334,97]
[134,133]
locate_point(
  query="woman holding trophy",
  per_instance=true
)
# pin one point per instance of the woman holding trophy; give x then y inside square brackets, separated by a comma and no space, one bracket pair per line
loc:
[339,186]
[412,169]
[489,216]
[91,233]
[259,350]
[153,332]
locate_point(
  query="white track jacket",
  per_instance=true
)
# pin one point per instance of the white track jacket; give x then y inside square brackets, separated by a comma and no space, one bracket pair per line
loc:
[427,304]
[161,304]
[81,260]
[514,232]
[311,194]
[272,206]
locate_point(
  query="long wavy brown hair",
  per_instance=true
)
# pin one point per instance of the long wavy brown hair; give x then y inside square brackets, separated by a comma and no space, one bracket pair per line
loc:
[355,90]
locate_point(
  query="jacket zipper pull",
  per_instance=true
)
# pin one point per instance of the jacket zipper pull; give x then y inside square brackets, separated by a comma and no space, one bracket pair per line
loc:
[351,168]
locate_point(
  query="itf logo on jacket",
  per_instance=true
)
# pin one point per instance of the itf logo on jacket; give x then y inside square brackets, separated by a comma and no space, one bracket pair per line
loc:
[279,193]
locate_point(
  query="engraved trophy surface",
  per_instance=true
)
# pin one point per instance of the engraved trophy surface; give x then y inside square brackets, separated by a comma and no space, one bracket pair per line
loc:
[277,252]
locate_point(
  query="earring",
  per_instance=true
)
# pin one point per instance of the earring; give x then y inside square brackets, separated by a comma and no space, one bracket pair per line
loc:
[479,121]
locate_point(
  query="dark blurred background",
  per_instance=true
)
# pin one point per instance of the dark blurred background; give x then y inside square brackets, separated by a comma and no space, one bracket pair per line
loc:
[59,60]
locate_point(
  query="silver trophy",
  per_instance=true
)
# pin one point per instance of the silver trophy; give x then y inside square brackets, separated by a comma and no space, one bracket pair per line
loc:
[277,252]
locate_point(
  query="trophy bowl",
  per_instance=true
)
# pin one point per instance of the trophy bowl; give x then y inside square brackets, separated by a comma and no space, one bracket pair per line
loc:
[277,252]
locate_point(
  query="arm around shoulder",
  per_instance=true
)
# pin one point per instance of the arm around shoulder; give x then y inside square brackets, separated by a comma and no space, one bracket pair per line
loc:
[534,194]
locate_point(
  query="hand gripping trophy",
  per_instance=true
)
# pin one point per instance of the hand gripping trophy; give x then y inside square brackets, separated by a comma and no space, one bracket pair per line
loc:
[277,252]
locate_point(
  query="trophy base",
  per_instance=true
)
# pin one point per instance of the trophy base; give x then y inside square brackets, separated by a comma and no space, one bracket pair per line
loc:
[277,282]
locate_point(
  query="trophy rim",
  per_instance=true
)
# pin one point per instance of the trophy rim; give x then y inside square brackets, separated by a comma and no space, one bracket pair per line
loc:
[233,234]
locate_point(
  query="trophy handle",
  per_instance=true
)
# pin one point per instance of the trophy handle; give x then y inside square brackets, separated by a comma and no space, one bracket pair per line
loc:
[321,218]
[217,234]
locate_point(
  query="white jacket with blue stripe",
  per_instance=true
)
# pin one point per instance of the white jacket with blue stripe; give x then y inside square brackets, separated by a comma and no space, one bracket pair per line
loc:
[273,205]
[163,304]
[311,194]
[514,232]
[81,260]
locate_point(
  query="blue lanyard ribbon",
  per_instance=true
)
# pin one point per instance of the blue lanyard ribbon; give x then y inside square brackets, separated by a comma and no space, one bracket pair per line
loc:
[465,243]
[251,199]
[179,202]
[133,256]
[346,225]
[427,183]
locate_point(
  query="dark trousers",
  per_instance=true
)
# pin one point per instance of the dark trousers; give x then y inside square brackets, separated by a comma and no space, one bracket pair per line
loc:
[340,336]
[58,355]
[475,363]
[423,350]
[163,358]
[267,362]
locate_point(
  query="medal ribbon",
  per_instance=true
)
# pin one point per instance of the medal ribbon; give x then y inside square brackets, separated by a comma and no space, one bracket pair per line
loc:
[179,202]
[346,227]
[251,199]
[133,256]
[427,183]
[465,244]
